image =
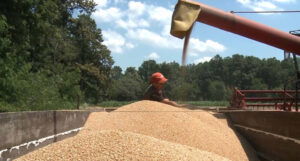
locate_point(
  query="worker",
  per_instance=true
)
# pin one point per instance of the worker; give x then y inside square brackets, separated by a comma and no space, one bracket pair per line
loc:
[155,90]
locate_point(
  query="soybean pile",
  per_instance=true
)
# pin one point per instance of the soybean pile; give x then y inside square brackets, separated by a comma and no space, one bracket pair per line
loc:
[148,130]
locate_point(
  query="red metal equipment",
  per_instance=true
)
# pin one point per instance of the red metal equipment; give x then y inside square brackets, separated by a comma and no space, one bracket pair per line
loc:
[289,42]
[280,99]
[250,29]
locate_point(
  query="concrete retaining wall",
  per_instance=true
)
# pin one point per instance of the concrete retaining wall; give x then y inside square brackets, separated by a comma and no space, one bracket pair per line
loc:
[275,135]
[22,132]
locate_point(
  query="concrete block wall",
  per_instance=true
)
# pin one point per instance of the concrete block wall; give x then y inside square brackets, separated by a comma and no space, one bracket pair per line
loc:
[22,132]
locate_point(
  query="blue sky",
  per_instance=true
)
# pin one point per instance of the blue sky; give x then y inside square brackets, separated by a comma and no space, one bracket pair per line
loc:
[136,30]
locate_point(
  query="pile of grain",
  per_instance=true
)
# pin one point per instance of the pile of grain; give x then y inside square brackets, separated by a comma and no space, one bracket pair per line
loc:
[198,129]
[148,130]
[117,145]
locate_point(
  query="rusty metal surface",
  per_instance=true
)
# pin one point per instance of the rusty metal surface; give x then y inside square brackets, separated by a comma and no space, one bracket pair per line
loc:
[275,135]
[277,122]
[272,147]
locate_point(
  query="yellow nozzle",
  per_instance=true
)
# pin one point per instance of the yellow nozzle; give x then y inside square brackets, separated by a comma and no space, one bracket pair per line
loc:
[184,15]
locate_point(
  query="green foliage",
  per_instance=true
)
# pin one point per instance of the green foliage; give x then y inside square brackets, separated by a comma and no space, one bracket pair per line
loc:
[48,58]
[147,68]
[4,35]
[207,103]
[128,87]
[216,90]
[183,91]
[38,91]
[6,107]
[94,59]
[116,73]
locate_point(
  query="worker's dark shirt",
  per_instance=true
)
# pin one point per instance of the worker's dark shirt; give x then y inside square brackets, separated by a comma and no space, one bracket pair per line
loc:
[154,94]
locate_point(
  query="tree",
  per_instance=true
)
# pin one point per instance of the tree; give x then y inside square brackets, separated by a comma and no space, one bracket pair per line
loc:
[269,72]
[288,73]
[41,41]
[217,67]
[116,73]
[94,59]
[147,68]
[182,91]
[170,70]
[217,90]
[128,87]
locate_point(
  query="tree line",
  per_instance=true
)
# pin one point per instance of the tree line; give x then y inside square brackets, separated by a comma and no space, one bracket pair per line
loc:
[213,80]
[52,56]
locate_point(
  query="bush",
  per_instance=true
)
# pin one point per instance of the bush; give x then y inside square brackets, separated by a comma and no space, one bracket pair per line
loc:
[40,91]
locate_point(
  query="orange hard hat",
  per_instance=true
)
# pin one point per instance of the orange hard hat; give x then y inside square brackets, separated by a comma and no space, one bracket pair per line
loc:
[158,78]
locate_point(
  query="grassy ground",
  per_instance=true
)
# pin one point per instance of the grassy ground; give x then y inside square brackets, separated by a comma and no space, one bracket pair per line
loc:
[207,103]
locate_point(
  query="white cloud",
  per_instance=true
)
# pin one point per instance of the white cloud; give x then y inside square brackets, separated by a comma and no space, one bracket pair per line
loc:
[285,1]
[192,54]
[160,14]
[136,8]
[135,19]
[119,1]
[197,46]
[129,45]
[132,17]
[244,2]
[107,15]
[101,3]
[143,23]
[154,39]
[132,23]
[115,41]
[153,56]
[137,15]
[262,5]
[166,30]
[202,60]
